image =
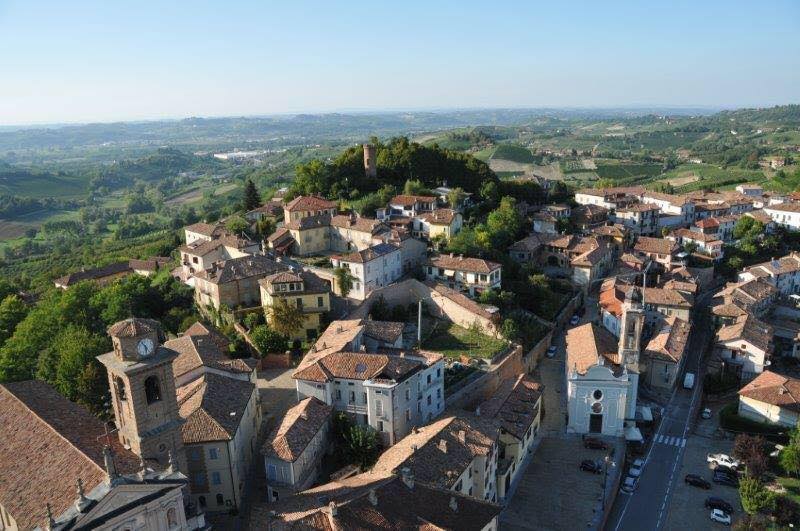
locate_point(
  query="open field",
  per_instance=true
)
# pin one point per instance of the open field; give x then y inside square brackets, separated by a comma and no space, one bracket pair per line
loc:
[514,153]
[196,194]
[498,165]
[10,230]
[27,184]
[453,341]
[685,178]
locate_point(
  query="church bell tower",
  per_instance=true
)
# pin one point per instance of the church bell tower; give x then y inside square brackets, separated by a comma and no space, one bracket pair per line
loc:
[630,344]
[143,391]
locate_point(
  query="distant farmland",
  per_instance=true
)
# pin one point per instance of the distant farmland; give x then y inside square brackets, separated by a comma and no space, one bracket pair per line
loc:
[513,153]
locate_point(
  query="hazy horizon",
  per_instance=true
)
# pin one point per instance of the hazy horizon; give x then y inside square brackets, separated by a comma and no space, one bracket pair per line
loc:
[94,62]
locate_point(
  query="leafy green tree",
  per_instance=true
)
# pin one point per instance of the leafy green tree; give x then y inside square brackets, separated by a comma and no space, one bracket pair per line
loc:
[455,197]
[415,187]
[490,192]
[12,311]
[237,224]
[605,182]
[363,446]
[755,498]
[286,319]
[267,340]
[77,349]
[250,197]
[344,279]
[131,296]
[747,227]
[790,459]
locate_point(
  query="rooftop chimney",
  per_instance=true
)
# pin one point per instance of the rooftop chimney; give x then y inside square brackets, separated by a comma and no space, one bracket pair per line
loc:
[443,445]
[333,509]
[478,411]
[462,436]
[453,504]
[373,497]
[407,477]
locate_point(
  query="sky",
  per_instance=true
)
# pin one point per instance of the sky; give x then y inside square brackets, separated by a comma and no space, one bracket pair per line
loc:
[84,61]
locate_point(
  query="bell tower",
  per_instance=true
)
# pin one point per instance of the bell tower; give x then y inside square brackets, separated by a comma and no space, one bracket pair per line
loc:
[143,391]
[630,344]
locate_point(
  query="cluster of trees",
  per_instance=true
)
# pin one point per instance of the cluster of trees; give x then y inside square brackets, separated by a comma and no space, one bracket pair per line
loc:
[398,161]
[753,246]
[164,163]
[357,445]
[503,226]
[758,501]
[58,338]
[12,206]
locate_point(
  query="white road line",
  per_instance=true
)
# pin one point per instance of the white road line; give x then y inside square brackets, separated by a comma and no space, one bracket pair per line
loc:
[658,439]
[683,442]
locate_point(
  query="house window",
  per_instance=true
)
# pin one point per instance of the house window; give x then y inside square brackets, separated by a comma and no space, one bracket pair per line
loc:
[152,390]
[429,399]
[300,303]
[352,397]
[438,393]
[338,394]
[429,378]
[200,479]
[408,394]
[220,499]
[216,479]
[172,518]
[379,407]
[212,453]
[380,425]
[408,414]
[364,397]
[319,302]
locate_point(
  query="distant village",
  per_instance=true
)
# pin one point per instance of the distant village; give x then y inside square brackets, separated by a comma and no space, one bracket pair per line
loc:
[385,348]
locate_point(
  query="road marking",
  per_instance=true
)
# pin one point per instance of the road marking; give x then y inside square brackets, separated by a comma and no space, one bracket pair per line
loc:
[658,439]
[683,442]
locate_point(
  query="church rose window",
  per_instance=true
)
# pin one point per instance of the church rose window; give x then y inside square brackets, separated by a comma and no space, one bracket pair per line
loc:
[597,407]
[598,394]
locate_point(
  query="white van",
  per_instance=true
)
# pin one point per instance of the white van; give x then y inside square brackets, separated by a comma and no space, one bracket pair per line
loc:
[688,380]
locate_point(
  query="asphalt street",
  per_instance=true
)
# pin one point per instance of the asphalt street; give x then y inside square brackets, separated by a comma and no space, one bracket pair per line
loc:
[647,506]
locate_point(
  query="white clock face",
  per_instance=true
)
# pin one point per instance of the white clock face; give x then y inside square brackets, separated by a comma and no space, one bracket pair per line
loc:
[145,347]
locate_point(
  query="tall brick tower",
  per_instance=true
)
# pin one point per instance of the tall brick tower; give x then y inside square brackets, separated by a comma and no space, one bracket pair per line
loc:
[143,391]
[370,164]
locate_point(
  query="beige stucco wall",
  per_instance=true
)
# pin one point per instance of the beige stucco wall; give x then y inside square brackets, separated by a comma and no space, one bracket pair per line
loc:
[763,412]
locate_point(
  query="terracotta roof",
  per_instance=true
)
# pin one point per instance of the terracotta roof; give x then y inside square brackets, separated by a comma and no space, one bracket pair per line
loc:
[151,264]
[384,330]
[747,328]
[612,295]
[271,207]
[775,389]
[646,244]
[370,253]
[667,297]
[48,443]
[530,243]
[205,247]
[133,327]
[311,282]
[213,407]
[309,202]
[440,216]
[588,345]
[669,342]
[438,453]
[410,200]
[595,254]
[459,263]
[198,351]
[297,428]
[202,329]
[240,268]
[677,200]
[279,234]
[309,222]
[681,285]
[339,335]
[589,212]
[760,215]
[358,223]
[728,310]
[211,230]
[358,366]
[638,207]
[94,273]
[707,223]
[786,264]
[695,236]
[784,207]
[616,230]
[461,299]
[514,405]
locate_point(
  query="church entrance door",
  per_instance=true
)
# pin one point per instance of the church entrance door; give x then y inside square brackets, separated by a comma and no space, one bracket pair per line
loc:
[595,423]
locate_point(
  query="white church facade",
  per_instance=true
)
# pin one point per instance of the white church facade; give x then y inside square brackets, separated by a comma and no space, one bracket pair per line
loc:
[603,372]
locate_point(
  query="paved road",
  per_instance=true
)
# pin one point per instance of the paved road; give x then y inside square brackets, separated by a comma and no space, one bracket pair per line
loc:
[647,507]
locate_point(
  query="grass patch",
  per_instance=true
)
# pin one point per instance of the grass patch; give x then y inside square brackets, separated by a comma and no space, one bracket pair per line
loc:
[626,171]
[454,341]
[792,486]
[514,153]
[730,420]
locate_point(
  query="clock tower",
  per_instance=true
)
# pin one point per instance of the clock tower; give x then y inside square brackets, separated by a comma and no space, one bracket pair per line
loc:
[143,391]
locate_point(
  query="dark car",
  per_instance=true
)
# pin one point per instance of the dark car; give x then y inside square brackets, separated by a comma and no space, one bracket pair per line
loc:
[722,469]
[696,481]
[594,443]
[719,503]
[588,465]
[722,478]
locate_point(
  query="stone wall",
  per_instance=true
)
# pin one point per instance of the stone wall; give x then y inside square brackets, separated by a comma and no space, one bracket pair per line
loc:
[468,397]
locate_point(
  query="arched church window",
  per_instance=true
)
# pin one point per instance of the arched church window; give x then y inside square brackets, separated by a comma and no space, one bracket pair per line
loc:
[152,390]
[121,392]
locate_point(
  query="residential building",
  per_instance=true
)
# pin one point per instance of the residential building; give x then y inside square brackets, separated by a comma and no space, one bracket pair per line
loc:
[528,249]
[107,274]
[764,218]
[610,198]
[638,218]
[392,390]
[199,355]
[545,222]
[234,283]
[204,232]
[440,223]
[308,206]
[221,419]
[751,190]
[744,347]
[303,289]
[705,243]
[372,268]
[659,250]
[674,205]
[408,206]
[591,264]
[294,450]
[454,453]
[516,408]
[272,209]
[786,215]
[201,254]
[612,296]
[666,302]
[350,232]
[473,275]
[783,273]
[663,356]
[413,251]
[587,217]
[615,235]
[383,502]
[772,398]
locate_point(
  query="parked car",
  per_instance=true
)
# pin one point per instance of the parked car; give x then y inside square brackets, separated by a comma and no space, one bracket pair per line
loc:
[636,468]
[629,485]
[721,478]
[722,459]
[706,414]
[594,443]
[718,503]
[722,469]
[575,320]
[587,465]
[720,516]
[696,481]
[551,352]
[688,380]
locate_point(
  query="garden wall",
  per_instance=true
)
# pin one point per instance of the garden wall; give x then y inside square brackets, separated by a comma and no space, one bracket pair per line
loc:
[468,397]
